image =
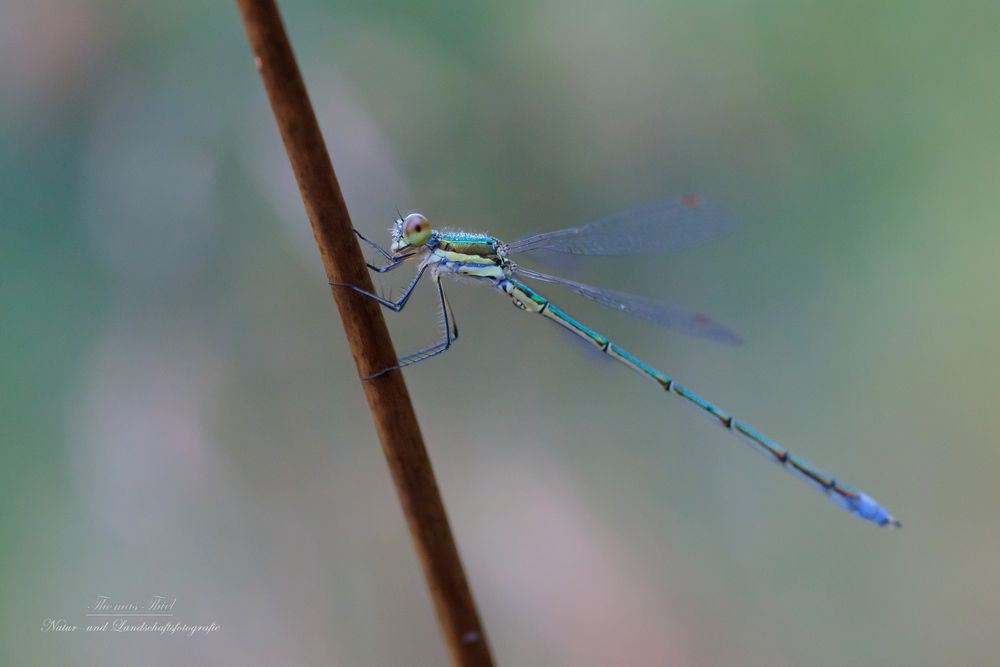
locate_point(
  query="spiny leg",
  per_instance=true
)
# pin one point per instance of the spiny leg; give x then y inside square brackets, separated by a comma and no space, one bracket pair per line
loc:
[390,266]
[450,334]
[393,260]
[382,251]
[449,316]
[388,303]
[451,330]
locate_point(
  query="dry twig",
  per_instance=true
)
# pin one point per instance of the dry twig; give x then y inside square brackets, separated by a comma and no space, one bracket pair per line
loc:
[367,334]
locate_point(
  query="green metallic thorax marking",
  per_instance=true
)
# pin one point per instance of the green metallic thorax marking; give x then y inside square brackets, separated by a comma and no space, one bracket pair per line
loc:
[464,243]
[474,255]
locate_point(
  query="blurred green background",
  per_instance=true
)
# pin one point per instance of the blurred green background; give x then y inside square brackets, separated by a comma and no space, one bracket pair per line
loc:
[181,415]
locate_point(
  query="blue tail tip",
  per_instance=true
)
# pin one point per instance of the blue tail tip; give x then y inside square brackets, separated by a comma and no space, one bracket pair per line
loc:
[868,508]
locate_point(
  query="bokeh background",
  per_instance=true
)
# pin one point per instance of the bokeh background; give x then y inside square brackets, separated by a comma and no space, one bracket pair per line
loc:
[181,415]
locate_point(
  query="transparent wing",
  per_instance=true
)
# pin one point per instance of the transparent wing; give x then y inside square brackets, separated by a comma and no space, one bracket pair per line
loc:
[660,226]
[675,317]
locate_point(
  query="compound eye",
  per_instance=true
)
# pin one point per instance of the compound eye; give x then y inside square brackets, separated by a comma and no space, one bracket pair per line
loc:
[416,229]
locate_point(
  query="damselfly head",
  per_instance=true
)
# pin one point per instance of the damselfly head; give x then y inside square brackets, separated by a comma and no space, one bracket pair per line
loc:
[409,232]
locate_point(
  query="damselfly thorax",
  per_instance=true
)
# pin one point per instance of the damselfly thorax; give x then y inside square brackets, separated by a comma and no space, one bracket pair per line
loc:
[473,255]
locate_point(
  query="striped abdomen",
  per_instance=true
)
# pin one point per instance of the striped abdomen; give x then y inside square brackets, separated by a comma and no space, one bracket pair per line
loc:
[846,496]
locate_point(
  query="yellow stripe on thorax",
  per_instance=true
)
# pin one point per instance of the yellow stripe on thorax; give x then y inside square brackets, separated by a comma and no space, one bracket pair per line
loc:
[471,264]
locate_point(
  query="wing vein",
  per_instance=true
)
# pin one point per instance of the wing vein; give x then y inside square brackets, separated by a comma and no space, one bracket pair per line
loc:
[660,226]
[665,314]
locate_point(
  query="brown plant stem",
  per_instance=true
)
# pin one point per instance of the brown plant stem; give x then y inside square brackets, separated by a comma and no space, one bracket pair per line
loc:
[388,399]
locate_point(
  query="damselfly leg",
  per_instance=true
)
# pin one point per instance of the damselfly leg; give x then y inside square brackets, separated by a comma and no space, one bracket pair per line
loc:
[382,251]
[396,305]
[450,335]
[393,261]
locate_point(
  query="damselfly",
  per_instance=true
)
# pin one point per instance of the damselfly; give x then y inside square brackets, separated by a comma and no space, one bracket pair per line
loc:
[657,227]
